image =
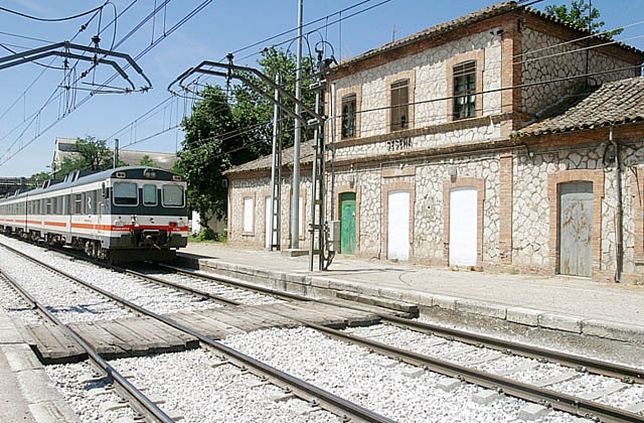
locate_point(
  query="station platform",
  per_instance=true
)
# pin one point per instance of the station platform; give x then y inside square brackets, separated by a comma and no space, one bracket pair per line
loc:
[566,304]
[28,395]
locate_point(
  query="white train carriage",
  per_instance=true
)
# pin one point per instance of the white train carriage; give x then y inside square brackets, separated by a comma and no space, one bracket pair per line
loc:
[124,214]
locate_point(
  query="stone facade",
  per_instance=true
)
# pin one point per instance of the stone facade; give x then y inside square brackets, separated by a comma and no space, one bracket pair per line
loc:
[515,181]
[546,59]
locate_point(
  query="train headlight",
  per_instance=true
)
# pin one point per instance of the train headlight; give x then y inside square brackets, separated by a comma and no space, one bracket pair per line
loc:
[148,173]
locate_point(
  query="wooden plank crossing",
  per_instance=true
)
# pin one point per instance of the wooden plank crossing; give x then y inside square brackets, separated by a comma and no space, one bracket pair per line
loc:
[143,335]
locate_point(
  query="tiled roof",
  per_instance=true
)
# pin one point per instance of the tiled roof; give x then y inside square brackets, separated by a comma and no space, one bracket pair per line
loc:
[265,162]
[613,103]
[462,21]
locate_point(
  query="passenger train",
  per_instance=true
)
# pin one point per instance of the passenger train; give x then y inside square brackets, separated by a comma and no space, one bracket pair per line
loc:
[120,215]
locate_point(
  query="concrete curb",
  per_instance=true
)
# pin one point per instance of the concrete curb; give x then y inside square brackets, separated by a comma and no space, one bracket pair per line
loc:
[45,403]
[328,287]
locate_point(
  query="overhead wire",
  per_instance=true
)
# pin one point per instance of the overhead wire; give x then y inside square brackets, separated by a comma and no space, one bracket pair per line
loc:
[66,18]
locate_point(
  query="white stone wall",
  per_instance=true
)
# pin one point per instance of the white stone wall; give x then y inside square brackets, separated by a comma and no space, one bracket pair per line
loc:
[531,205]
[261,187]
[431,76]
[464,135]
[536,98]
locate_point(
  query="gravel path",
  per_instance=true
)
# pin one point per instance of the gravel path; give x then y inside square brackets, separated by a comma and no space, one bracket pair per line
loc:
[70,302]
[228,292]
[159,299]
[88,399]
[373,381]
[199,392]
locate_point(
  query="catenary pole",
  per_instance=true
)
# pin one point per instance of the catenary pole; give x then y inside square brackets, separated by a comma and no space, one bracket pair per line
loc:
[276,179]
[295,186]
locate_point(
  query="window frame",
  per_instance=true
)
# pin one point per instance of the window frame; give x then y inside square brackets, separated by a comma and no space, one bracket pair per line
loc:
[114,194]
[349,98]
[468,69]
[398,85]
[183,196]
[156,195]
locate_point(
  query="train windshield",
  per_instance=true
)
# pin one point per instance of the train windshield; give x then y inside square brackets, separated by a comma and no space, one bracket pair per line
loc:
[173,195]
[125,194]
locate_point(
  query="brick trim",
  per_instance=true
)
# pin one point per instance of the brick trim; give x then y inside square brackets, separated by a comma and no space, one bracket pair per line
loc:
[464,182]
[388,187]
[506,169]
[638,210]
[243,195]
[389,80]
[478,56]
[339,94]
[343,189]
[596,176]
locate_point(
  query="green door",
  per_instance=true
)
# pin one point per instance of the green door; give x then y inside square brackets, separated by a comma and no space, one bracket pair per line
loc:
[348,222]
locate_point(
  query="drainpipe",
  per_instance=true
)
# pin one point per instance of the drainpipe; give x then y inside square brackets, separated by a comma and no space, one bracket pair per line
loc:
[619,247]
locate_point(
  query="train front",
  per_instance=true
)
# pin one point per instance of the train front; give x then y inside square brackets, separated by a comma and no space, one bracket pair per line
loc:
[148,216]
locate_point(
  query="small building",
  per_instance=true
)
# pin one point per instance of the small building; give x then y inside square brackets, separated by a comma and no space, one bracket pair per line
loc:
[504,139]
[66,147]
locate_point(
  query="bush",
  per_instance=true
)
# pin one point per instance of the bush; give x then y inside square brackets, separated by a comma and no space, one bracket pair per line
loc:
[206,234]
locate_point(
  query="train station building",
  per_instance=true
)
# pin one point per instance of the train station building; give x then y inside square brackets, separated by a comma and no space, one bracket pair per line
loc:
[502,139]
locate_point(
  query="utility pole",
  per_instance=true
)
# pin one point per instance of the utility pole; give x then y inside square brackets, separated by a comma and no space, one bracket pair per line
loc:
[295,186]
[276,175]
[116,153]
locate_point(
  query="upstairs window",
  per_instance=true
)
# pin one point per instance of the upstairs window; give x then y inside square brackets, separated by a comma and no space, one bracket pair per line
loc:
[465,90]
[400,105]
[349,116]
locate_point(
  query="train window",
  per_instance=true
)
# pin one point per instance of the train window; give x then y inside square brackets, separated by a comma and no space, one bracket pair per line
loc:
[126,194]
[78,203]
[48,206]
[150,195]
[90,202]
[172,196]
[67,209]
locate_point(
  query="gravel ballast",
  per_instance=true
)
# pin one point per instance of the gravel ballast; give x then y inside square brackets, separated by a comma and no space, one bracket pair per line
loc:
[159,299]
[374,382]
[69,301]
[199,392]
[88,399]
[12,303]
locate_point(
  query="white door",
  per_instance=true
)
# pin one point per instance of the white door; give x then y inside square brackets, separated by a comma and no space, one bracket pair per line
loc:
[398,225]
[463,226]
[267,222]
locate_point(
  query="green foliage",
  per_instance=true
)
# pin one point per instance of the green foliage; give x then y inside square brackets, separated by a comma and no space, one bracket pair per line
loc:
[579,15]
[148,162]
[92,155]
[36,180]
[227,130]
[206,234]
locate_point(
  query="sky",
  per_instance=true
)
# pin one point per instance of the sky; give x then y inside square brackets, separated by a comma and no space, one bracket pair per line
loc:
[221,27]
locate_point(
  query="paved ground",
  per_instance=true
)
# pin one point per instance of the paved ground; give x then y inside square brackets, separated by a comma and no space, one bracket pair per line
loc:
[26,393]
[570,296]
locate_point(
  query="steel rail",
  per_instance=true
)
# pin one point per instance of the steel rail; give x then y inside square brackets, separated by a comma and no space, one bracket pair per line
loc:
[315,395]
[591,365]
[137,399]
[557,400]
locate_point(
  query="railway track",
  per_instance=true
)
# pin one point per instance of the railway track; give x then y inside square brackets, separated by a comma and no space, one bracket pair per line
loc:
[557,400]
[347,410]
[530,392]
[137,399]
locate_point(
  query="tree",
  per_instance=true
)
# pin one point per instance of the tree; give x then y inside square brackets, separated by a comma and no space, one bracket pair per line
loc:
[580,15]
[36,180]
[91,155]
[148,162]
[223,132]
